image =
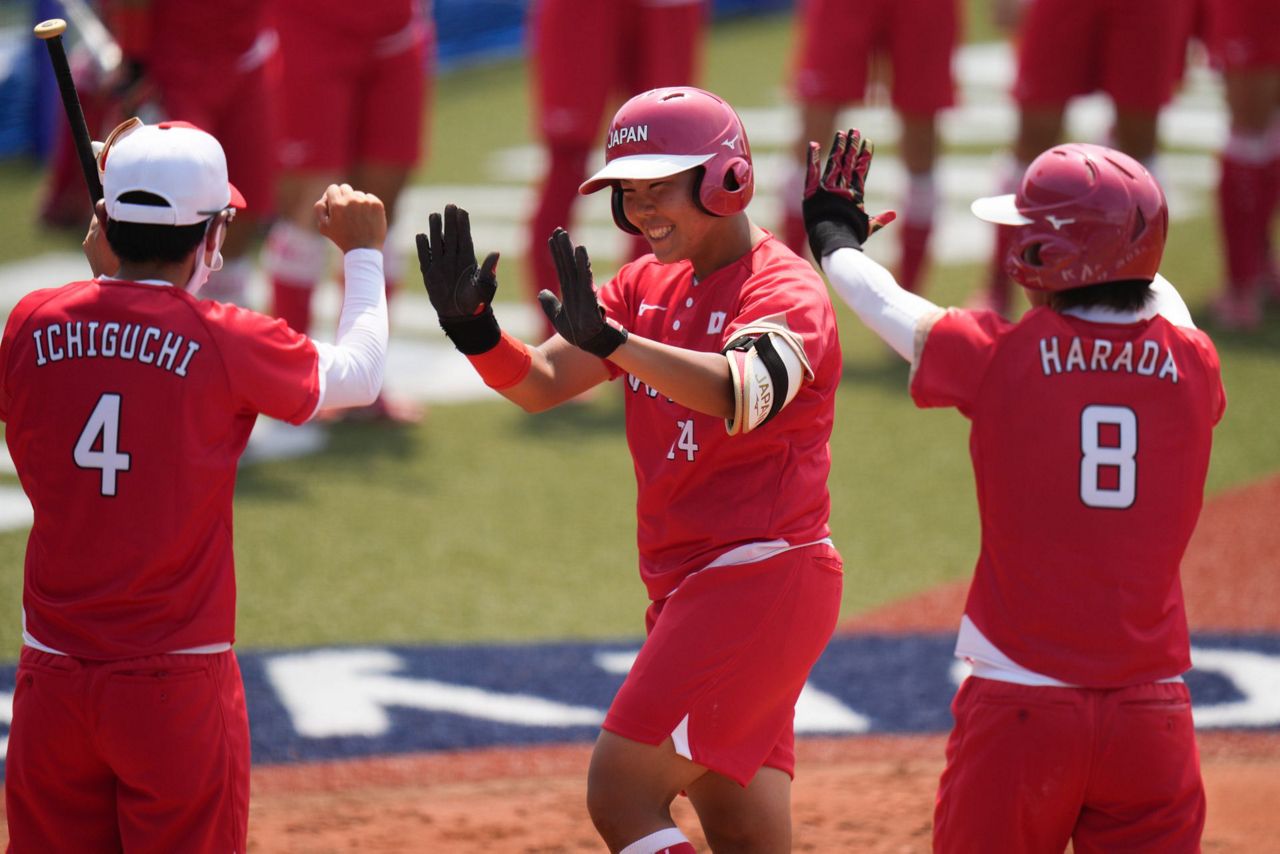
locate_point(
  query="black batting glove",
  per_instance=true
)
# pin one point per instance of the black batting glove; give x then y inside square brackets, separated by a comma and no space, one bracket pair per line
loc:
[579,319]
[461,293]
[835,215]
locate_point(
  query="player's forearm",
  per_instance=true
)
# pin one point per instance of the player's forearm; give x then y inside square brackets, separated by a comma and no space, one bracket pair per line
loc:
[352,367]
[538,378]
[873,294]
[698,380]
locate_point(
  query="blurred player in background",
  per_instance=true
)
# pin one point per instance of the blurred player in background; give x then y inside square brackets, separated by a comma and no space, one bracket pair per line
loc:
[839,42]
[727,344]
[214,65]
[1244,42]
[1092,424]
[129,729]
[588,54]
[1133,50]
[353,100]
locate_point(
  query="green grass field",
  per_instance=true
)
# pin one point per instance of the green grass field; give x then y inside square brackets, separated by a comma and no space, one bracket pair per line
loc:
[485,524]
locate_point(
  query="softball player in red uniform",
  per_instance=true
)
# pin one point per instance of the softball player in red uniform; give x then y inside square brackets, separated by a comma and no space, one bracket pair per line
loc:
[354,83]
[129,723]
[838,43]
[586,53]
[215,65]
[727,346]
[1244,41]
[1092,421]
[1133,50]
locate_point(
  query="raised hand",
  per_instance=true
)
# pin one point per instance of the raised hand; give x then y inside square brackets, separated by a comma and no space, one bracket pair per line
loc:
[447,259]
[460,292]
[350,218]
[579,319]
[835,214]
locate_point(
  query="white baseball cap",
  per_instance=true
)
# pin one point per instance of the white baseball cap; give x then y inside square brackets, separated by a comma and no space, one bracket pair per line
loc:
[176,161]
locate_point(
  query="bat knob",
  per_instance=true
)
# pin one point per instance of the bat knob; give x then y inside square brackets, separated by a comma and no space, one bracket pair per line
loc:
[50,29]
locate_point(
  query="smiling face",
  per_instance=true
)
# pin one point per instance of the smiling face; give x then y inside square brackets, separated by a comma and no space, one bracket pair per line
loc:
[664,211]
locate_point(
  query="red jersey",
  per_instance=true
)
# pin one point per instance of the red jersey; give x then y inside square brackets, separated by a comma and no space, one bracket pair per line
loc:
[127,407]
[1090,444]
[701,491]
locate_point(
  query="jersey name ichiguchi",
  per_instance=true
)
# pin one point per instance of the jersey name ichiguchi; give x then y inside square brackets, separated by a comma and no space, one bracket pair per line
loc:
[127,406]
[1090,444]
[701,491]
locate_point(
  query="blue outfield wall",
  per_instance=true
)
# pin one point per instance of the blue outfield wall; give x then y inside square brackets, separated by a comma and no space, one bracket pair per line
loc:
[355,702]
[469,32]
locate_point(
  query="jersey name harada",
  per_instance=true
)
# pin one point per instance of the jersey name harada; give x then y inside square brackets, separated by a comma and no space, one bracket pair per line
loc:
[1147,359]
[93,339]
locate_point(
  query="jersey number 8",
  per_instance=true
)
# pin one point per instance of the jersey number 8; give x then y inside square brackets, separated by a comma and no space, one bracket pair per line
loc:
[1115,461]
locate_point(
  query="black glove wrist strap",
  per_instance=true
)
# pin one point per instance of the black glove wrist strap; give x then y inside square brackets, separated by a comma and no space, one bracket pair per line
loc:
[473,335]
[827,236]
[604,342]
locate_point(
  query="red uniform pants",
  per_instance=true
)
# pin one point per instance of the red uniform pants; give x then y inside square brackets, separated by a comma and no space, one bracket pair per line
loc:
[148,754]
[1029,768]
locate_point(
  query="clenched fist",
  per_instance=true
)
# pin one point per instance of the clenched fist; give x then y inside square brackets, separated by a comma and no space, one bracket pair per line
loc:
[351,219]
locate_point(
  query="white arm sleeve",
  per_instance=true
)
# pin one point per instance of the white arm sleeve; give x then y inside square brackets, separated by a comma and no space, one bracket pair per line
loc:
[873,294]
[351,368]
[1168,303]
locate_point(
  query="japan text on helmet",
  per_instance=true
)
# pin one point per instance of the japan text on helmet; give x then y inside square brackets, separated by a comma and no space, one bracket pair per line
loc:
[1085,215]
[663,132]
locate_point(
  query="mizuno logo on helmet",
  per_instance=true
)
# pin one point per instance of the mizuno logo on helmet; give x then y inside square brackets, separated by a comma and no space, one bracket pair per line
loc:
[633,133]
[1058,223]
[732,143]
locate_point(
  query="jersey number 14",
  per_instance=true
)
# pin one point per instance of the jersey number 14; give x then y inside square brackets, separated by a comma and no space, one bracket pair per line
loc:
[99,444]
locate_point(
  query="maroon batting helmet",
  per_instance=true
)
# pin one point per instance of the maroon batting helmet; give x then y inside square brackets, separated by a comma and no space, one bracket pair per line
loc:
[1086,214]
[663,132]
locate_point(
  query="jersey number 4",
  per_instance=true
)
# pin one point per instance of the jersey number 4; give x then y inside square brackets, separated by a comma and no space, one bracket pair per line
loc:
[1108,456]
[99,444]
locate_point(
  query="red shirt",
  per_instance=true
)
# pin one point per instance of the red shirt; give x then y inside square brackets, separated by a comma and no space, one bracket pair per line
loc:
[1090,444]
[127,406]
[701,491]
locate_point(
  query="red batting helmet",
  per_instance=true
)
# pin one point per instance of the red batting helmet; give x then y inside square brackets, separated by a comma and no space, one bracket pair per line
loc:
[1086,214]
[666,131]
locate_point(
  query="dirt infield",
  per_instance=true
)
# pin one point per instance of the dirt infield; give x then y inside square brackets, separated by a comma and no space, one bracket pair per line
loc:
[853,794]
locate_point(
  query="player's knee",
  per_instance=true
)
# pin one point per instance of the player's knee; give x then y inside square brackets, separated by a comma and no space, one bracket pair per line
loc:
[623,806]
[745,829]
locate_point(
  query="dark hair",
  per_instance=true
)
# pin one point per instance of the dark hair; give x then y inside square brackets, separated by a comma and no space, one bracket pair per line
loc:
[1127,295]
[142,242]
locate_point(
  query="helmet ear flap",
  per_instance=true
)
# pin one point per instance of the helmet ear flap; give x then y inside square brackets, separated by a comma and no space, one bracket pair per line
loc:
[619,215]
[730,189]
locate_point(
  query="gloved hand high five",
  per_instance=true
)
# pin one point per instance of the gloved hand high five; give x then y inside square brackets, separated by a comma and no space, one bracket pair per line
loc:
[461,293]
[835,215]
[579,319]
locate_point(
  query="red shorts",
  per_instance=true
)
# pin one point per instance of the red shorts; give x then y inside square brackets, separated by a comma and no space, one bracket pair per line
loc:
[149,754]
[1029,768]
[1243,34]
[725,659]
[349,95]
[238,107]
[586,53]
[838,39]
[1134,50]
